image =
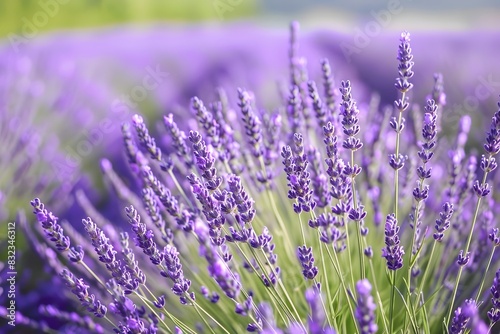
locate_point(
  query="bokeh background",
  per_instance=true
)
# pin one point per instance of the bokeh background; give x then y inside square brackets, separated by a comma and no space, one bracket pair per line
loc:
[69,67]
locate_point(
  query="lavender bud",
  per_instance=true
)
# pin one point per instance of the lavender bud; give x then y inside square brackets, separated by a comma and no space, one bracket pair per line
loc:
[365,310]
[393,252]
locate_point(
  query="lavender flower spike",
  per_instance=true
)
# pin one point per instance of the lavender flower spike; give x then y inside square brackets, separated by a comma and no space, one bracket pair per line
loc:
[393,252]
[176,274]
[53,231]
[443,223]
[317,318]
[494,312]
[79,288]
[365,310]
[462,317]
[144,237]
[252,124]
[404,68]
[145,139]
[306,258]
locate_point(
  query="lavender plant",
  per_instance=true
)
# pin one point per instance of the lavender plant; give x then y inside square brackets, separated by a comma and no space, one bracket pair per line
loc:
[225,237]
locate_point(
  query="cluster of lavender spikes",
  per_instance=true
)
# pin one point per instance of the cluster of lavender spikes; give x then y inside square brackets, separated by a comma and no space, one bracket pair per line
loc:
[213,223]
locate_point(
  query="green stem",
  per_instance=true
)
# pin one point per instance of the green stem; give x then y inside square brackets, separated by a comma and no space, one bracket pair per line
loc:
[336,265]
[145,301]
[485,272]
[393,295]
[396,172]
[358,228]
[426,272]
[377,291]
[467,245]
[348,250]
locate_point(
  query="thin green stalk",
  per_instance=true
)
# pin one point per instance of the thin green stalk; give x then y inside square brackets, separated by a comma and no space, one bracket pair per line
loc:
[358,228]
[420,287]
[349,253]
[315,280]
[279,219]
[467,245]
[198,308]
[393,295]
[396,172]
[174,319]
[144,300]
[485,272]
[327,281]
[109,321]
[272,288]
[94,275]
[377,291]
[275,208]
[336,266]
[269,290]
[178,186]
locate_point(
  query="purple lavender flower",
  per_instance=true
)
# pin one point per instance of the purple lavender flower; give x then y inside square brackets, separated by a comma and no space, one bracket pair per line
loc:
[462,258]
[212,297]
[205,161]
[126,309]
[294,113]
[153,210]
[228,281]
[330,92]
[80,289]
[443,223]
[145,139]
[144,238]
[494,237]
[317,318]
[252,123]
[393,252]
[53,231]
[242,200]
[206,121]
[235,226]
[245,308]
[492,145]
[107,254]
[175,273]
[322,112]
[76,254]
[462,317]
[365,310]
[405,69]
[179,140]
[319,180]
[306,258]
[350,120]
[494,312]
[85,322]
[298,176]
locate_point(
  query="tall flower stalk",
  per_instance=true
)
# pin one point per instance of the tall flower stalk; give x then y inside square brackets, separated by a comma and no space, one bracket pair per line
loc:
[481,190]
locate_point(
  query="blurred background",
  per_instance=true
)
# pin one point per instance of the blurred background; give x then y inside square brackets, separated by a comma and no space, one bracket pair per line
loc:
[425,14]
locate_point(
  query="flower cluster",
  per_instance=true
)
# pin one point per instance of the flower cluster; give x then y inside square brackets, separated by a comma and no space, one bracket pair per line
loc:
[211,242]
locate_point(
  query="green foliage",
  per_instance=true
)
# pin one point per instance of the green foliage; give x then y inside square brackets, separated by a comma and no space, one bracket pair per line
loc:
[70,14]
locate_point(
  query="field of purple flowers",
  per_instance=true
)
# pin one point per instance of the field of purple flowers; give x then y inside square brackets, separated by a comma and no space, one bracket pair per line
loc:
[251,181]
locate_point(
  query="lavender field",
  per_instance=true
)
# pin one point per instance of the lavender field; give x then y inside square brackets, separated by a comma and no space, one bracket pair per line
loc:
[248,173]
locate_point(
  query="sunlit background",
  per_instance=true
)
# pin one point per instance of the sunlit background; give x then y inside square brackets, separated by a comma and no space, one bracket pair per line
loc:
[344,15]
